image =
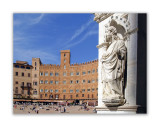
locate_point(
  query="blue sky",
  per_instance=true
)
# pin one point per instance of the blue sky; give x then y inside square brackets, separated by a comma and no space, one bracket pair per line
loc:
[43,35]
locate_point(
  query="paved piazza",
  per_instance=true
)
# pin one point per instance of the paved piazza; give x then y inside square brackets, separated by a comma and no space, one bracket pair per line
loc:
[52,109]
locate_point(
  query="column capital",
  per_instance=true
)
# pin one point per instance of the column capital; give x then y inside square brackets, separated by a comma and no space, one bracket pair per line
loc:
[101,16]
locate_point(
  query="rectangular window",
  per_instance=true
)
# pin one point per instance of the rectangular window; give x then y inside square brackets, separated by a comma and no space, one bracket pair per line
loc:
[88,90]
[16,82]
[46,73]
[96,88]
[83,72]
[64,66]
[56,74]
[22,74]
[51,74]
[88,95]
[76,95]
[83,90]
[89,81]
[93,81]
[56,82]
[97,70]
[51,82]
[46,90]
[82,95]
[71,73]
[71,82]
[64,91]
[35,83]
[46,81]
[22,67]
[45,95]
[51,90]
[92,89]
[77,73]
[93,71]
[16,73]
[64,73]
[29,75]
[41,73]
[77,81]
[64,61]
[83,81]
[16,66]
[41,81]
[97,80]
[56,91]
[27,67]
[64,82]
[71,96]
[35,68]
[41,90]
[71,91]
[77,91]
[35,64]
[35,92]
[89,72]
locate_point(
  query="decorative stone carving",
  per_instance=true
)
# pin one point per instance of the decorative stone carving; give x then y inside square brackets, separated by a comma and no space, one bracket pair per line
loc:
[101,16]
[113,66]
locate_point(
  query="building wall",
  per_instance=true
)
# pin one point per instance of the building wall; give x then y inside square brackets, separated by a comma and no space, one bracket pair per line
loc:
[67,85]
[64,81]
[19,80]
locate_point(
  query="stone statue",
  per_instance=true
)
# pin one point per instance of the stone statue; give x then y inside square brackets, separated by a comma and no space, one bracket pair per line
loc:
[113,66]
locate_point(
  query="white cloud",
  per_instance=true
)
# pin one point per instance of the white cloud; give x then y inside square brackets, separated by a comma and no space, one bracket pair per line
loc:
[81,29]
[26,55]
[89,33]
[37,19]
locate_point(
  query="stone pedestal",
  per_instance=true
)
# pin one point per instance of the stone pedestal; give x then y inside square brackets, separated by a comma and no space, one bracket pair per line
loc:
[125,109]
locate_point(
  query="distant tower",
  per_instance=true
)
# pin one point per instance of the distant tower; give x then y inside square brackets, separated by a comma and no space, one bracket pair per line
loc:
[65,58]
[36,62]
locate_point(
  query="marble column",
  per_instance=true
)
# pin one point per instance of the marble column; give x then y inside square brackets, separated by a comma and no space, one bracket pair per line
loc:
[130,91]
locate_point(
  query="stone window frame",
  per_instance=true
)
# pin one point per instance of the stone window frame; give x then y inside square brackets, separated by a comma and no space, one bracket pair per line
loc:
[71,73]
[93,71]
[41,90]
[93,90]
[71,81]
[51,81]
[77,90]
[41,81]
[83,81]
[56,90]
[64,66]
[46,90]
[51,73]
[83,90]
[16,73]
[34,92]
[88,71]
[56,82]
[88,90]
[64,91]
[22,74]
[70,91]
[29,74]
[51,90]
[89,81]
[77,73]
[46,82]
[64,81]
[56,74]
[41,74]
[46,74]
[77,81]
[83,73]
[93,81]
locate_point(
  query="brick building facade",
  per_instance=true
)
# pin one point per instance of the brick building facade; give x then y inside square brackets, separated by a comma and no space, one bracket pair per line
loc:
[64,82]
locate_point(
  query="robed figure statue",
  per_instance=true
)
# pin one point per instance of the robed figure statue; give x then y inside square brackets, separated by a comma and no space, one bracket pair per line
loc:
[113,66]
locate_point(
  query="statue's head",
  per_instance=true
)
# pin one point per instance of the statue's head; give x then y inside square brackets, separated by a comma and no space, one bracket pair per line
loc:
[111,31]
